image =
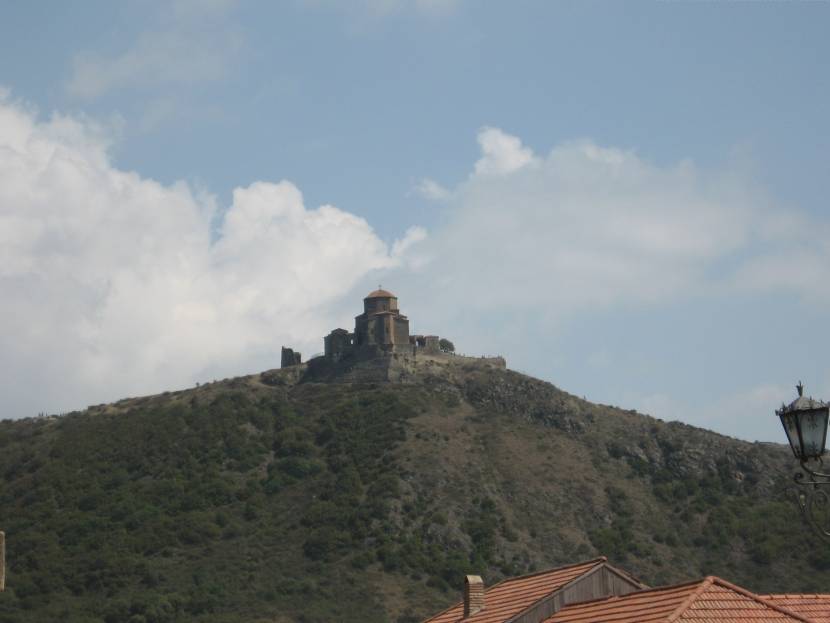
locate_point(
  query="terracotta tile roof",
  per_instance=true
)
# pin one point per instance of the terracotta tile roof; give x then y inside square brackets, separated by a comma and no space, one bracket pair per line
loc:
[710,600]
[814,607]
[514,595]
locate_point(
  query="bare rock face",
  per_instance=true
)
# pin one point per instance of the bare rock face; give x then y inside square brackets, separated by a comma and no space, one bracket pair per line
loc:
[395,367]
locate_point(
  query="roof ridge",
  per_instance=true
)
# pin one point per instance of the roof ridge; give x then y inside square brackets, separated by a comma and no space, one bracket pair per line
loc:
[648,589]
[758,598]
[678,612]
[595,561]
[544,571]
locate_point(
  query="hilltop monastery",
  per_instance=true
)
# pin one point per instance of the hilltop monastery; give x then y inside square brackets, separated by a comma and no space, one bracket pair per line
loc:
[379,331]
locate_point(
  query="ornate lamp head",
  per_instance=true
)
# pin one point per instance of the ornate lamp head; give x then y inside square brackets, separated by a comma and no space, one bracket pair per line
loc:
[805,422]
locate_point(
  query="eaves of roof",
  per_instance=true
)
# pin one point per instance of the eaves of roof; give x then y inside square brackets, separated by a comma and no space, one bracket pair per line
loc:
[814,606]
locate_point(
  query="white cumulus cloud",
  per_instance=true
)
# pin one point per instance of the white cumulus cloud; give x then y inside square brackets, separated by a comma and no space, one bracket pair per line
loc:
[114,284]
[501,153]
[532,240]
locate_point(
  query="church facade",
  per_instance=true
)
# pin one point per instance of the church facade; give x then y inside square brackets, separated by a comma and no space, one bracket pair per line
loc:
[381,330]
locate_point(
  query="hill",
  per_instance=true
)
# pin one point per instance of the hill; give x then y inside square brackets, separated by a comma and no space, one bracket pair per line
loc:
[263,499]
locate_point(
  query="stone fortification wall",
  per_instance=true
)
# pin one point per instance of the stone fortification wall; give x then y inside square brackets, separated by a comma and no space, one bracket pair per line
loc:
[390,368]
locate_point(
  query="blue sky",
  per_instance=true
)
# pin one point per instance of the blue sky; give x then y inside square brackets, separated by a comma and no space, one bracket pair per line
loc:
[626,199]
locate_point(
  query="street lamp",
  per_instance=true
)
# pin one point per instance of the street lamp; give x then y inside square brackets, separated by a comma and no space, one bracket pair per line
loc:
[805,422]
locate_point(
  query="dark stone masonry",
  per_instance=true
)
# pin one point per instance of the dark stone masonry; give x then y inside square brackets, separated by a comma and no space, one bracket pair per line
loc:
[379,349]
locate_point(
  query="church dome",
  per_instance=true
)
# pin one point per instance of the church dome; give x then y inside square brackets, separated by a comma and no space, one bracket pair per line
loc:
[380,294]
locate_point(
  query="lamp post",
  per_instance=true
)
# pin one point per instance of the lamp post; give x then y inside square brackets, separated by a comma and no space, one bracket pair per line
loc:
[805,423]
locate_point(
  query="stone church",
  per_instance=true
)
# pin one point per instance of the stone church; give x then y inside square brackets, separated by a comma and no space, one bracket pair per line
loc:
[381,330]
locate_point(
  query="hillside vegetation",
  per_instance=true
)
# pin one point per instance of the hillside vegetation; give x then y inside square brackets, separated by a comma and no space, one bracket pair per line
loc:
[258,499]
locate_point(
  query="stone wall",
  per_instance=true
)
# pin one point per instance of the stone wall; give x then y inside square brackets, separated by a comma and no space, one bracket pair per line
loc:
[290,358]
[338,343]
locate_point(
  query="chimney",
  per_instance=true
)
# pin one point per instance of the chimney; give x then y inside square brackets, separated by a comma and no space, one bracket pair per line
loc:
[473,595]
[2,561]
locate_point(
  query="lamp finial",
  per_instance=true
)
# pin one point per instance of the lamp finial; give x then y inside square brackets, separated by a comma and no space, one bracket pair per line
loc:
[800,388]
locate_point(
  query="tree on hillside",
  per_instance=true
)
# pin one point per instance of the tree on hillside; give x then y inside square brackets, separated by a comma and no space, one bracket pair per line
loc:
[446,345]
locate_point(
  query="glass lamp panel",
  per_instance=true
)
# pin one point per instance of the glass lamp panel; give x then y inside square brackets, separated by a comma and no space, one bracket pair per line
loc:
[813,425]
[791,428]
